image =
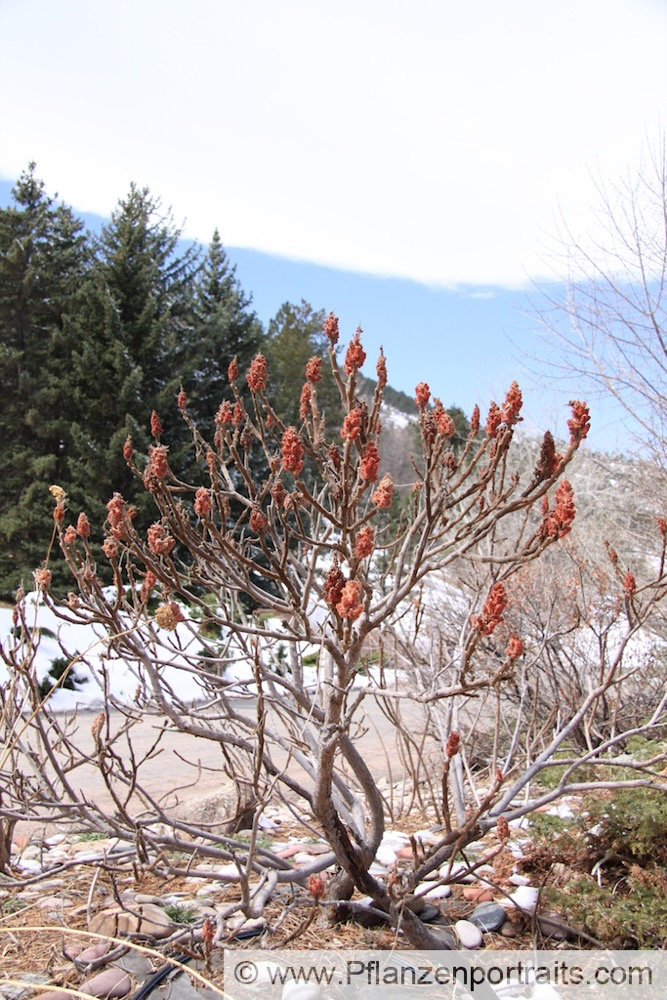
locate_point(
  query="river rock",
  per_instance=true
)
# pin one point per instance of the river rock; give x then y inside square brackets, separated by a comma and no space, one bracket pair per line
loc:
[526,898]
[223,811]
[110,983]
[477,894]
[469,934]
[488,916]
[145,918]
[550,925]
[438,892]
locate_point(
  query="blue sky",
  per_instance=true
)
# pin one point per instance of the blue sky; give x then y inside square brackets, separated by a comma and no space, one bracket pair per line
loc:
[405,165]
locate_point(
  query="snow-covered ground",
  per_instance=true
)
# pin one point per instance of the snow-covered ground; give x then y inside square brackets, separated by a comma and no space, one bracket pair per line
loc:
[179,649]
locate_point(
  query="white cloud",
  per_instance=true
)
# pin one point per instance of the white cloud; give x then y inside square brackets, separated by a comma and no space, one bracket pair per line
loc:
[433,140]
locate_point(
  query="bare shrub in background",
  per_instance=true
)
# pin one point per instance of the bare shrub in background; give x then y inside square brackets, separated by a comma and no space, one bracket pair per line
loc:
[310,561]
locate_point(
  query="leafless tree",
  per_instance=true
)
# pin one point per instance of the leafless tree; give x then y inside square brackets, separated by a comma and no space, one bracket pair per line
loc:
[306,559]
[609,322]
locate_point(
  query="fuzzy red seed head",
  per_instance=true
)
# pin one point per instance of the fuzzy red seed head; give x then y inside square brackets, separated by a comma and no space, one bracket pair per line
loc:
[316,885]
[443,421]
[258,521]
[453,745]
[352,423]
[110,548]
[355,354]
[202,504]
[384,493]
[565,510]
[331,329]
[549,459]
[333,586]
[662,526]
[493,420]
[233,370]
[238,413]
[381,370]
[43,578]
[422,395]
[224,414]
[492,612]
[128,450]
[258,374]
[278,493]
[512,405]
[364,543]
[149,582]
[630,584]
[474,421]
[59,513]
[370,463]
[158,461]
[208,933]
[182,400]
[83,526]
[514,647]
[314,370]
[160,542]
[350,605]
[156,425]
[291,451]
[579,423]
[305,403]
[502,829]
[70,536]
[612,553]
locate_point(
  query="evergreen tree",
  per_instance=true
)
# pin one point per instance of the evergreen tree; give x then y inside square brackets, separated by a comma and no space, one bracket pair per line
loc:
[43,260]
[138,305]
[225,327]
[296,335]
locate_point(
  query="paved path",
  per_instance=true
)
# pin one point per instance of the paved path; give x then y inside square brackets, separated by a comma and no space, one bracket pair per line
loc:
[186,766]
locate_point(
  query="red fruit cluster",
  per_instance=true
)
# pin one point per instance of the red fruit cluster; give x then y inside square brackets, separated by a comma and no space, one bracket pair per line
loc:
[514,647]
[492,612]
[331,329]
[364,543]
[381,370]
[512,405]
[422,395]
[333,586]
[370,463]
[352,424]
[160,542]
[305,403]
[291,451]
[580,422]
[258,374]
[443,421]
[556,523]
[314,370]
[384,493]
[156,425]
[258,521]
[453,745]
[493,420]
[202,502]
[350,604]
[355,354]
